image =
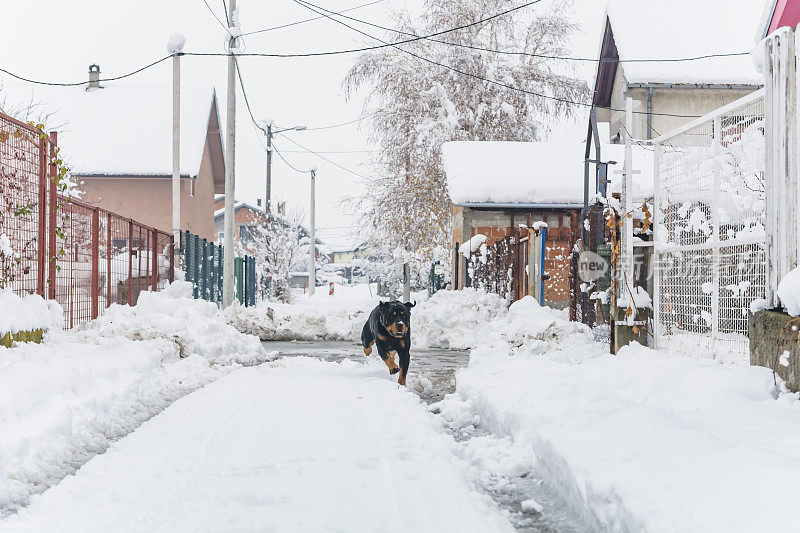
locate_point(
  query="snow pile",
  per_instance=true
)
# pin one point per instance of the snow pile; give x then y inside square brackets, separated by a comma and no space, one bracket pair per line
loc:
[28,313]
[320,317]
[629,439]
[65,400]
[194,326]
[449,319]
[454,319]
[789,292]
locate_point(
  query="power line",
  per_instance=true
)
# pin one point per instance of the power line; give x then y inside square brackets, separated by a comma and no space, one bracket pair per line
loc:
[334,163]
[275,149]
[333,151]
[369,48]
[295,23]
[85,82]
[216,17]
[359,119]
[463,73]
[529,54]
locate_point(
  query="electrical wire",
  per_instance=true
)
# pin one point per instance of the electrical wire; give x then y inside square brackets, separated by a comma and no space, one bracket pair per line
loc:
[377,47]
[275,149]
[85,82]
[359,119]
[224,27]
[529,54]
[463,73]
[334,163]
[295,23]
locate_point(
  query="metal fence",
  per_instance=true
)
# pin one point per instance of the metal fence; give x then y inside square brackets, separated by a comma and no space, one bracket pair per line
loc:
[203,264]
[709,226]
[84,257]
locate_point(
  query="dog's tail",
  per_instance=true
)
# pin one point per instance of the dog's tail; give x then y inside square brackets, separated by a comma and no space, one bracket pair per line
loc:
[410,305]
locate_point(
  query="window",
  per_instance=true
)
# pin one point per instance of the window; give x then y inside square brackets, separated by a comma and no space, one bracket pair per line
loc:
[191,187]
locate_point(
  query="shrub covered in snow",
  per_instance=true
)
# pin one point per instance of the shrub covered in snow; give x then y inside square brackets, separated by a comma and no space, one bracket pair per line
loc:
[28,313]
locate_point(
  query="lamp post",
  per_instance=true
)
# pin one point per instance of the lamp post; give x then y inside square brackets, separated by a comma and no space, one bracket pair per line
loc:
[269,131]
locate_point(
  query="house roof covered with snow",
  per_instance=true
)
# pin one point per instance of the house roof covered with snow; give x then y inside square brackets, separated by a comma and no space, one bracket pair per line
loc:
[529,174]
[658,29]
[127,130]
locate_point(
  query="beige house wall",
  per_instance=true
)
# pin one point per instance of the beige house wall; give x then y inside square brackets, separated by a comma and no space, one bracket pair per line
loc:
[671,101]
[149,199]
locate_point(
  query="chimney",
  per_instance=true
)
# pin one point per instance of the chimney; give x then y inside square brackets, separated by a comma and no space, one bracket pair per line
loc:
[281,208]
[94,78]
[258,202]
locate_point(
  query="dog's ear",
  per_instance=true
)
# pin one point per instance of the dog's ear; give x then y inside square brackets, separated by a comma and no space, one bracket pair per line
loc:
[381,304]
[410,305]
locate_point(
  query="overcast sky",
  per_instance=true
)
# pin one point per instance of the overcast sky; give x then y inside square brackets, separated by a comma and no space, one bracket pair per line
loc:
[55,40]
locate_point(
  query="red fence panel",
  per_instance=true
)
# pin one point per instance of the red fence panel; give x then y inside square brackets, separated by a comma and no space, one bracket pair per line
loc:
[82,256]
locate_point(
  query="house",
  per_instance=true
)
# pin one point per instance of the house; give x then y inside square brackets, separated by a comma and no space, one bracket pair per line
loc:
[120,144]
[503,189]
[117,142]
[245,217]
[667,95]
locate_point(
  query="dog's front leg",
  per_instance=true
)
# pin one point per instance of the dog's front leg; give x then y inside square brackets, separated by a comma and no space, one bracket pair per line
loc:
[405,360]
[388,358]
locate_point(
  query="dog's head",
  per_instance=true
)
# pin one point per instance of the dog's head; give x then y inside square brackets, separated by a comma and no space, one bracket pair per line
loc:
[395,317]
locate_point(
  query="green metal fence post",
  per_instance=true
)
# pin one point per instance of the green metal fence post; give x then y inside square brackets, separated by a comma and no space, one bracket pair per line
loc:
[195,252]
[205,269]
[238,269]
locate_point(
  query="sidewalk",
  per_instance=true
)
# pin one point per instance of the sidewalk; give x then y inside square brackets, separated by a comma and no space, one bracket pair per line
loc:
[293,445]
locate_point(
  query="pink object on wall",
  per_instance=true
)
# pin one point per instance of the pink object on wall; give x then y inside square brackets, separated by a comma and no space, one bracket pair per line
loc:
[787,13]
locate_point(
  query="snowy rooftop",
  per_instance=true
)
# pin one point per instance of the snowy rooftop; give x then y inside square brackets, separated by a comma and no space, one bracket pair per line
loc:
[530,173]
[126,130]
[650,29]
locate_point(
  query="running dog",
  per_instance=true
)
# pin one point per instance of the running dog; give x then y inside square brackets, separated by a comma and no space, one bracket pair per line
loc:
[389,328]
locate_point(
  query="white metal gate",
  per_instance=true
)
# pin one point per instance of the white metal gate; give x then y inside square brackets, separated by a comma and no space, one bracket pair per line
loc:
[709,230]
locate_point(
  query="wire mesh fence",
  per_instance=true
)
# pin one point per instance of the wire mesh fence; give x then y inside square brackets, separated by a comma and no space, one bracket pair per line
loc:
[710,229]
[81,256]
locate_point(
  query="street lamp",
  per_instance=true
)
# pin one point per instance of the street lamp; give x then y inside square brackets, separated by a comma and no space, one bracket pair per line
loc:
[270,132]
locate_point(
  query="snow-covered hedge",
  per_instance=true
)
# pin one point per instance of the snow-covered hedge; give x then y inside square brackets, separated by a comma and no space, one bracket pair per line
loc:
[28,313]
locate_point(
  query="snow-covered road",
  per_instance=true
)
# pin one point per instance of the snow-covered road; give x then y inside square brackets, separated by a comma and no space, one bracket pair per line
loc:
[294,445]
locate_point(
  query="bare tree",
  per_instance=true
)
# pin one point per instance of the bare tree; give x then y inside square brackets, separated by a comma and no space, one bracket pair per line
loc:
[418,105]
[279,247]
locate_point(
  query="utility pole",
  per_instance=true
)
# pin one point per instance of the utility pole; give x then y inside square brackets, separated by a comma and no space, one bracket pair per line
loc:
[312,261]
[270,133]
[175,47]
[268,193]
[230,177]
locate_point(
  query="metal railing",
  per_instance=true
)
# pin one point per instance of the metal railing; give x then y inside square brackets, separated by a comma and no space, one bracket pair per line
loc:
[79,255]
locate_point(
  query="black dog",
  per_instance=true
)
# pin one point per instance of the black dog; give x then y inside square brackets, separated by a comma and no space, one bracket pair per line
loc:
[389,327]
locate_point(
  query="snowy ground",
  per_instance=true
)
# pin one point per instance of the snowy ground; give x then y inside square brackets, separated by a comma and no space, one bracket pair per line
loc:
[642,441]
[294,445]
[561,435]
[65,400]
